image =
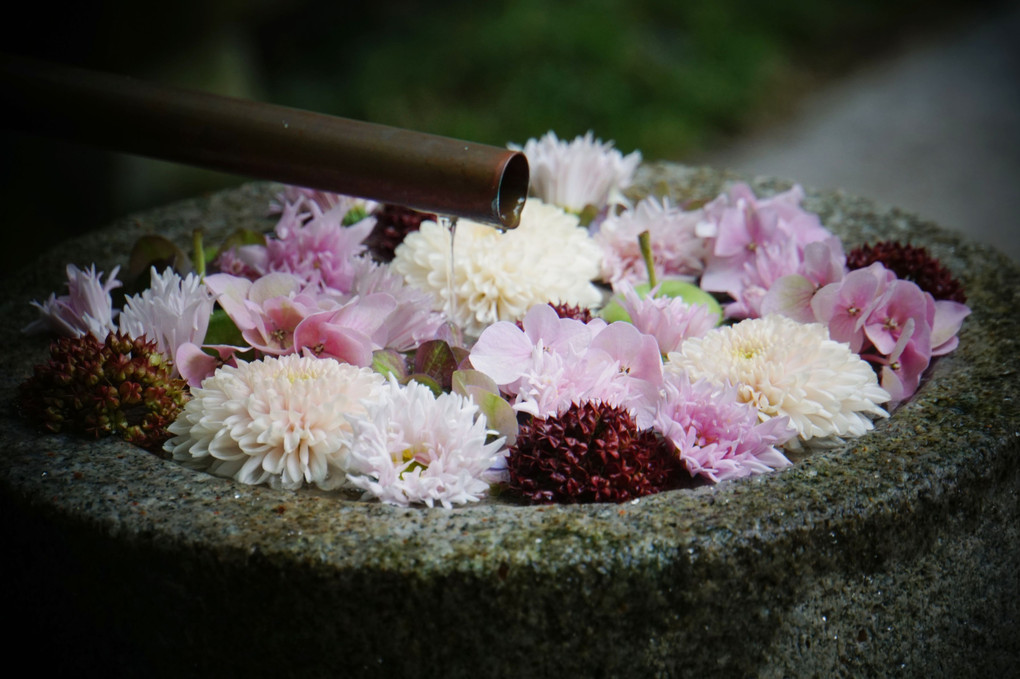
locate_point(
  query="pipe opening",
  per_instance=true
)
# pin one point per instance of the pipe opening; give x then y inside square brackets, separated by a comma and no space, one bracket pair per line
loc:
[513,190]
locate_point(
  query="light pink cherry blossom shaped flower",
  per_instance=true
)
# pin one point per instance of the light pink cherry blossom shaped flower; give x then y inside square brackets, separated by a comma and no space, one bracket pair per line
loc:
[349,333]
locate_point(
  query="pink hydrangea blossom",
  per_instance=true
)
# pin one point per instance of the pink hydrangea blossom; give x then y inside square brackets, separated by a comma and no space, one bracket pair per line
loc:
[891,322]
[754,243]
[553,362]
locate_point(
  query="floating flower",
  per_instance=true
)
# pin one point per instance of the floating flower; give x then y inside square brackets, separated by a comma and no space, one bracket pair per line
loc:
[754,242]
[670,320]
[910,263]
[715,435]
[592,452]
[786,368]
[677,251]
[574,175]
[413,446]
[120,386]
[174,311]
[281,420]
[316,246]
[86,308]
[500,275]
[549,363]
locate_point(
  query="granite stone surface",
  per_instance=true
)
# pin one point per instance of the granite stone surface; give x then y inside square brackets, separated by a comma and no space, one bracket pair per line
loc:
[895,555]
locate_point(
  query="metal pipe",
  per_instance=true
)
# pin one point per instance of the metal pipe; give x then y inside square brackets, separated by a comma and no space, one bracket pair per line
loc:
[388,164]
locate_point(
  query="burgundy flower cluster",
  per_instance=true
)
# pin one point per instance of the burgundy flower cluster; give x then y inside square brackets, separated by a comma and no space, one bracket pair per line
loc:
[593,452]
[121,386]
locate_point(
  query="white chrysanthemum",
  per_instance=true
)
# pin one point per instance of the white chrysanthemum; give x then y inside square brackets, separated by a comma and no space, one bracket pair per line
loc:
[172,312]
[281,420]
[783,367]
[412,446]
[572,175]
[498,276]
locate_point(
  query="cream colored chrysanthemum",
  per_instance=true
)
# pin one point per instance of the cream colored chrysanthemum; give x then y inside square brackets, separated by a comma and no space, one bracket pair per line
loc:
[498,276]
[783,367]
[280,420]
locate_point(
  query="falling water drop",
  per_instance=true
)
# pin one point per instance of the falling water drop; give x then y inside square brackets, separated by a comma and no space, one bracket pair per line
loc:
[450,224]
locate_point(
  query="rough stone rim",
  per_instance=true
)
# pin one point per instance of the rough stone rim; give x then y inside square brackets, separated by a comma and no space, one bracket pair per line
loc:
[123,491]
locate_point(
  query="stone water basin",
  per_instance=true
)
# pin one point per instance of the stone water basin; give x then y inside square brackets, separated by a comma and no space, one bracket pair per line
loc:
[895,555]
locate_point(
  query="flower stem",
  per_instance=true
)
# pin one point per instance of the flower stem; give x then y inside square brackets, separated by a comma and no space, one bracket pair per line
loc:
[199,252]
[645,243]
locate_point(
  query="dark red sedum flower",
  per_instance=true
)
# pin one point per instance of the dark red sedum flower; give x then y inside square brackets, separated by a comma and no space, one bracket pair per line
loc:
[910,263]
[121,387]
[593,452]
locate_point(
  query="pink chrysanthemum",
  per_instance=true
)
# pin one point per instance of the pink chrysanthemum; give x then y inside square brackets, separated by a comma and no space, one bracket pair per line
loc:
[670,320]
[173,311]
[715,435]
[677,251]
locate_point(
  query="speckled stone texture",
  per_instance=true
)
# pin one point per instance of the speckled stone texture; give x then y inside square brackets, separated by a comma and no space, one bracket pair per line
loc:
[893,556]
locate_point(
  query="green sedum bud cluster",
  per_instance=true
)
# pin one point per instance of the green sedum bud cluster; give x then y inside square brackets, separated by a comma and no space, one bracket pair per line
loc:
[120,387]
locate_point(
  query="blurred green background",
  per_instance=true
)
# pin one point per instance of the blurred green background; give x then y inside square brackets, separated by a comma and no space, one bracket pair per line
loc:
[668,78]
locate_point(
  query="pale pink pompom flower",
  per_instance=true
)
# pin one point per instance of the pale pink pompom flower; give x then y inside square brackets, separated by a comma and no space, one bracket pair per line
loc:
[573,175]
[411,446]
[677,251]
[670,320]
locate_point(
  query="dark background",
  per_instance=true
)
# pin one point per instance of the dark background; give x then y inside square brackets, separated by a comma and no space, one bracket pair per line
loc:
[671,79]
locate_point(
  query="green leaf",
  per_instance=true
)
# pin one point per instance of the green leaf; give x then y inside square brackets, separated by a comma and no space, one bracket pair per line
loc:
[499,414]
[223,330]
[388,362]
[462,380]
[436,359]
[484,393]
[427,381]
[152,250]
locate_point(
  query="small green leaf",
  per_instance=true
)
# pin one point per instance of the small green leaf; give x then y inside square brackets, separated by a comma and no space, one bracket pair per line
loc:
[462,380]
[427,381]
[152,250]
[388,362]
[499,414]
[354,215]
[223,330]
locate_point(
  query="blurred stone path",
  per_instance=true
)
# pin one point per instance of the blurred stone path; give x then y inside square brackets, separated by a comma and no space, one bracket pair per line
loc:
[935,130]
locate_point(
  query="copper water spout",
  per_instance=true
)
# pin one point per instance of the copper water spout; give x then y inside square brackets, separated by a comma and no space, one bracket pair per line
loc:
[387,164]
